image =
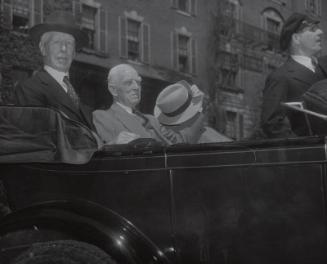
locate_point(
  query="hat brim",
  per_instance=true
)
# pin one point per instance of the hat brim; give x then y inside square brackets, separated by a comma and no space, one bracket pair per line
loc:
[189,112]
[37,31]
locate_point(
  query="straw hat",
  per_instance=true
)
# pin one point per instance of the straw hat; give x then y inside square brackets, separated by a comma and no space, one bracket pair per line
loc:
[60,21]
[177,103]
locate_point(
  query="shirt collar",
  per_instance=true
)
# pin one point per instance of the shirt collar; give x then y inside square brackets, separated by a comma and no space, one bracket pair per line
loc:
[126,108]
[305,61]
[57,75]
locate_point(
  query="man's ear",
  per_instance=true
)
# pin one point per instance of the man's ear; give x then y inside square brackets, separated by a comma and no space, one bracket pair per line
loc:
[296,38]
[42,48]
[112,90]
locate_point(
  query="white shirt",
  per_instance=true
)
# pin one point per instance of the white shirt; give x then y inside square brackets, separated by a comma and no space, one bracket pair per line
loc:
[57,75]
[305,61]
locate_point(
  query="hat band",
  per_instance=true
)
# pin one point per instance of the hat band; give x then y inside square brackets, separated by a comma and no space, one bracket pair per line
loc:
[182,108]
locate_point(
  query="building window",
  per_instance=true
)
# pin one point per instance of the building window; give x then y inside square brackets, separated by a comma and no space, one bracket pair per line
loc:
[93,19]
[271,68]
[231,9]
[185,6]
[231,124]
[228,60]
[134,38]
[253,63]
[19,15]
[313,6]
[272,23]
[184,51]
[228,78]
[234,124]
[88,24]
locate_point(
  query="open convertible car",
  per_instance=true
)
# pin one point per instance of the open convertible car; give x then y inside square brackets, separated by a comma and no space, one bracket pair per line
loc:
[237,202]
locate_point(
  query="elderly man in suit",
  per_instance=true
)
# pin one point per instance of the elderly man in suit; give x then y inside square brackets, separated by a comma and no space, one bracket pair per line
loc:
[122,122]
[50,87]
[301,38]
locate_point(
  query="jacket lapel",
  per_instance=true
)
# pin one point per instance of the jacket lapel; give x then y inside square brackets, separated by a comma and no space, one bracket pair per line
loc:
[62,100]
[300,72]
[131,122]
[56,91]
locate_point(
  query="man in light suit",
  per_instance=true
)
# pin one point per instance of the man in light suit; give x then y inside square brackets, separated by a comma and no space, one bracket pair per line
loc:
[122,123]
[50,87]
[301,38]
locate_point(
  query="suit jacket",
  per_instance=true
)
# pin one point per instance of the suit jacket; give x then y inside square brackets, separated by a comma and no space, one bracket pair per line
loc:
[43,90]
[111,122]
[287,84]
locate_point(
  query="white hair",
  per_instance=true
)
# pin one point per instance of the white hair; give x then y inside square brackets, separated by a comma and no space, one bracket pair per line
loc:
[116,72]
[45,38]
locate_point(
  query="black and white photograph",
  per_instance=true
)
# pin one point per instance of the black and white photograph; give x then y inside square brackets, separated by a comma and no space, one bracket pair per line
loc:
[163,132]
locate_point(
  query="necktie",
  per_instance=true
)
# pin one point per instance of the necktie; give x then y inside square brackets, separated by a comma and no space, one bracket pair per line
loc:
[71,91]
[314,62]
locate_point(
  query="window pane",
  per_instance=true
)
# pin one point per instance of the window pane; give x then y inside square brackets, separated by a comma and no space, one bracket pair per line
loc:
[183,5]
[183,42]
[133,36]
[88,17]
[183,64]
[89,25]
[90,37]
[273,25]
[231,126]
[183,53]
[21,8]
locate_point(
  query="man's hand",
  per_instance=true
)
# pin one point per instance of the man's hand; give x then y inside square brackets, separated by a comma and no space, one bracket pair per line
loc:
[197,94]
[125,137]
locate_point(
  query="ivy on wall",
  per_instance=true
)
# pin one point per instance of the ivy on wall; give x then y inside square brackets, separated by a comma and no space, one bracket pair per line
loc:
[16,51]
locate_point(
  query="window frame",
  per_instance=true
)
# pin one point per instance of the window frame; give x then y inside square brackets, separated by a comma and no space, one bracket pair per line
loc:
[101,24]
[35,16]
[317,8]
[191,10]
[238,123]
[192,51]
[144,38]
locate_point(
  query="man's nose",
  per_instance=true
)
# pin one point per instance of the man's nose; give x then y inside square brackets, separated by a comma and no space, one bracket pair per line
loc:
[136,84]
[319,31]
[63,46]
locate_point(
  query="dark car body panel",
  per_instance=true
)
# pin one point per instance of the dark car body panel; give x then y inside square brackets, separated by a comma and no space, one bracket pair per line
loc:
[242,202]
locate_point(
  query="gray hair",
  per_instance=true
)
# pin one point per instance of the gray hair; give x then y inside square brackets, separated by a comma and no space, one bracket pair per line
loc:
[45,38]
[115,73]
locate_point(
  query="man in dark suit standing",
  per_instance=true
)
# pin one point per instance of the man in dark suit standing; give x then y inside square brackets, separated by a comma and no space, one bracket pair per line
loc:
[50,87]
[301,38]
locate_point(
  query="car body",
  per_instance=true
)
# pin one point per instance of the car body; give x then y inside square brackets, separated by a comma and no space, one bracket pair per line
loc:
[238,202]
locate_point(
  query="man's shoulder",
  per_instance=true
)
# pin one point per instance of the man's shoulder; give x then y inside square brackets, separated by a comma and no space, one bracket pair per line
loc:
[101,112]
[37,77]
[104,113]
[280,74]
[323,62]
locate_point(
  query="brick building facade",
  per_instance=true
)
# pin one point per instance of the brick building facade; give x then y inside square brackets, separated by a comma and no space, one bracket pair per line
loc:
[226,47]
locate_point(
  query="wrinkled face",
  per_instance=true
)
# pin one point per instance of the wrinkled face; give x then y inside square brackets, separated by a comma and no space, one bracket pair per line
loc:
[308,40]
[58,50]
[126,87]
